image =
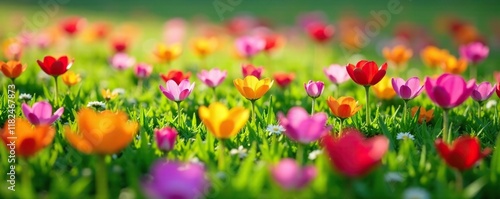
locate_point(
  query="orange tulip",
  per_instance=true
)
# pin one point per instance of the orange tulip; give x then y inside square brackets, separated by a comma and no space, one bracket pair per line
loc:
[222,122]
[26,139]
[253,88]
[424,115]
[12,49]
[343,107]
[433,56]
[102,133]
[12,69]
[70,78]
[168,53]
[383,90]
[204,46]
[454,65]
[399,54]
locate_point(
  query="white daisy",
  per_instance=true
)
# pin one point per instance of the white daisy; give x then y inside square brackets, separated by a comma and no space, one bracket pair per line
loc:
[119,91]
[97,105]
[25,96]
[240,151]
[416,193]
[491,104]
[314,154]
[405,135]
[393,177]
[275,129]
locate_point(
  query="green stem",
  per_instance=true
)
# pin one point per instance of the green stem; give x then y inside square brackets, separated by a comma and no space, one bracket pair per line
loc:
[26,177]
[480,109]
[337,91]
[458,180]
[367,92]
[221,154]
[312,106]
[215,93]
[55,93]
[341,126]
[404,110]
[101,178]
[253,110]
[179,112]
[300,153]
[139,86]
[273,144]
[13,80]
[473,71]
[445,125]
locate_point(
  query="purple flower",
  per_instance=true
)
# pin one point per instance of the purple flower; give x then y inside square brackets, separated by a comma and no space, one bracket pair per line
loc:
[290,176]
[41,113]
[302,127]
[249,46]
[213,77]
[176,92]
[407,90]
[122,61]
[175,180]
[314,89]
[336,73]
[483,91]
[474,52]
[449,91]
[165,138]
[143,70]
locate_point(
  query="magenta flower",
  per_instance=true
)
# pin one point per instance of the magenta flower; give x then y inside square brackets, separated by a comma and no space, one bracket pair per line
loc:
[336,73]
[449,91]
[249,69]
[290,176]
[407,90]
[249,46]
[41,113]
[143,70]
[177,92]
[165,138]
[175,180]
[213,77]
[301,127]
[483,91]
[314,89]
[474,52]
[122,61]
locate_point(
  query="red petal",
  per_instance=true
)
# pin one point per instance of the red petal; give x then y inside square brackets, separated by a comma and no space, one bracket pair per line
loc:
[63,60]
[361,77]
[377,77]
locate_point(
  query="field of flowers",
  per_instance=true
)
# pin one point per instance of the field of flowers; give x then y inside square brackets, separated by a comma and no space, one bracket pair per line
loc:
[247,108]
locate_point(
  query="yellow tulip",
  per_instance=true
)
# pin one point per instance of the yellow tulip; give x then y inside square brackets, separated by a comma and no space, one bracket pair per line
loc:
[204,46]
[70,78]
[168,53]
[383,89]
[221,122]
[253,88]
[454,65]
[102,133]
[399,55]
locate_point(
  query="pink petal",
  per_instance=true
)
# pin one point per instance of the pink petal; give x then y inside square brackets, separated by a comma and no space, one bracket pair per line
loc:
[43,110]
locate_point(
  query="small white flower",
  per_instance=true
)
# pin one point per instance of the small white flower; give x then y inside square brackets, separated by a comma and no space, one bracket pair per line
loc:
[118,91]
[275,129]
[314,154]
[114,156]
[415,193]
[393,177]
[491,104]
[241,152]
[138,137]
[25,96]
[195,160]
[405,135]
[97,105]
[86,172]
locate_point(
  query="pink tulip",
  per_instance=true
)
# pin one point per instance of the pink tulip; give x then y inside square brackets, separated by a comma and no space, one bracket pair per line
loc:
[177,92]
[174,31]
[41,113]
[483,91]
[291,176]
[176,180]
[249,46]
[407,90]
[474,52]
[314,89]
[449,91]
[213,77]
[122,61]
[249,69]
[301,127]
[165,138]
[336,73]
[143,70]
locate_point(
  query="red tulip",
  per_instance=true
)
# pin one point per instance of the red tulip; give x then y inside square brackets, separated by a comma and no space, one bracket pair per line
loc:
[175,75]
[320,32]
[54,67]
[119,44]
[249,69]
[72,25]
[272,41]
[463,153]
[283,79]
[366,73]
[498,89]
[352,154]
